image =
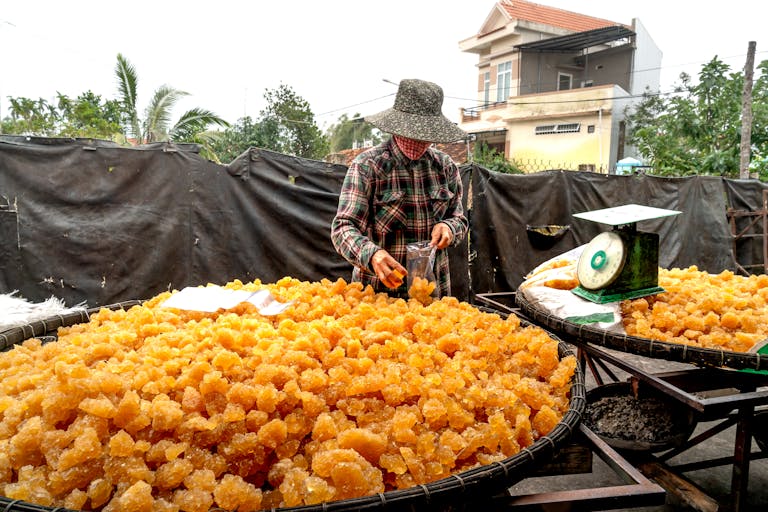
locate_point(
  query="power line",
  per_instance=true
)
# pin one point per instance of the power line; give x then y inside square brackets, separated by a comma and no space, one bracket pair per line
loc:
[355,105]
[508,102]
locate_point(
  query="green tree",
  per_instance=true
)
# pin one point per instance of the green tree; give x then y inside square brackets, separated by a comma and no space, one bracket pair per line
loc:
[697,130]
[492,160]
[288,125]
[156,124]
[245,133]
[344,133]
[88,117]
[31,117]
[85,116]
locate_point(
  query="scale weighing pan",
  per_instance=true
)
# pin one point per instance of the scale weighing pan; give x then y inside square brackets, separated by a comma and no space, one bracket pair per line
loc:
[623,263]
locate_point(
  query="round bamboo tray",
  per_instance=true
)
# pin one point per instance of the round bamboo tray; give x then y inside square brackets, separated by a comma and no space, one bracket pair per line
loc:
[677,352]
[468,487]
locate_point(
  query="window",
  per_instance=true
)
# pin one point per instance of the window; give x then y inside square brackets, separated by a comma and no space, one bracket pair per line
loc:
[503,80]
[546,129]
[587,83]
[569,128]
[590,128]
[564,81]
[487,88]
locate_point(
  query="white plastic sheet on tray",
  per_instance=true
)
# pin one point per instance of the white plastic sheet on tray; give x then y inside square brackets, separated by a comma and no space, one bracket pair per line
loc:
[563,303]
[212,298]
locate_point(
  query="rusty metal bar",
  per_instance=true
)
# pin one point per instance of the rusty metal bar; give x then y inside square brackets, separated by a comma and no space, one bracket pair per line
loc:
[638,492]
[605,369]
[743,399]
[757,216]
[711,432]
[488,298]
[600,498]
[688,399]
[591,365]
[713,463]
[741,456]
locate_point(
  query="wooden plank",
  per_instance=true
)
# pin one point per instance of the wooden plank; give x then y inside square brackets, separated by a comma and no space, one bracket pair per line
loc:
[679,489]
[573,459]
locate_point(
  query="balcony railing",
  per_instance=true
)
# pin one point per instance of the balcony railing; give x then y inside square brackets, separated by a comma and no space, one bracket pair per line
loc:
[473,113]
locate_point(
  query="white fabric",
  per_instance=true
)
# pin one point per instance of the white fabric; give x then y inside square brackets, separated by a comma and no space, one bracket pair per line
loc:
[16,311]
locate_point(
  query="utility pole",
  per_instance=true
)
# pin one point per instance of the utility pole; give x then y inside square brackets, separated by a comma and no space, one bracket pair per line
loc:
[746,112]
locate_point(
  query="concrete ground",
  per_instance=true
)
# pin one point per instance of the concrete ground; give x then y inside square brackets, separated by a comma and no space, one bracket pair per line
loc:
[714,482]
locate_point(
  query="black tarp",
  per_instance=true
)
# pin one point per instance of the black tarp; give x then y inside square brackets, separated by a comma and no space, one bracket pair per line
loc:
[91,221]
[503,205]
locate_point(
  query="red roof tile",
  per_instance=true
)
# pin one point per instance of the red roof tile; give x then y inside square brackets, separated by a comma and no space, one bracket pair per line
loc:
[537,13]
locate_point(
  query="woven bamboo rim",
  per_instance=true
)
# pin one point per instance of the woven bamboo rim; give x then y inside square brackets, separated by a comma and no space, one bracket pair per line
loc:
[468,487]
[676,352]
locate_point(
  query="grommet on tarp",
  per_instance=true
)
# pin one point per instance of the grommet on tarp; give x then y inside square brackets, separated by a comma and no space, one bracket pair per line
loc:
[545,236]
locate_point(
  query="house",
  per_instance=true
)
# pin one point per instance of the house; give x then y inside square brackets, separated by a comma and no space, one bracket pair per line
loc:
[553,85]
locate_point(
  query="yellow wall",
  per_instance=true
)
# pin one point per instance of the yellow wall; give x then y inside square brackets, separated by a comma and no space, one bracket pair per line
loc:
[563,150]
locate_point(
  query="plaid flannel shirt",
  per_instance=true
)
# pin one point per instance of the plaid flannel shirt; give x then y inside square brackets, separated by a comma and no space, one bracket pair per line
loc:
[388,201]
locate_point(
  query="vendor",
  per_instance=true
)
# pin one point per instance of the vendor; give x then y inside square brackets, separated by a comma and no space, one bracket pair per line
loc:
[402,191]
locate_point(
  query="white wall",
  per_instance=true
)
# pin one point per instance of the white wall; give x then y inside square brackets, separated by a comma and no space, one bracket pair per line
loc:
[647,67]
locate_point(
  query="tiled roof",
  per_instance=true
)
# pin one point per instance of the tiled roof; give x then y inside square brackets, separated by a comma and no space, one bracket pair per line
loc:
[344,156]
[537,13]
[456,150]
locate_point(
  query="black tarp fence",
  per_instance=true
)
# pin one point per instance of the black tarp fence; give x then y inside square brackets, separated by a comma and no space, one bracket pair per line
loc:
[90,221]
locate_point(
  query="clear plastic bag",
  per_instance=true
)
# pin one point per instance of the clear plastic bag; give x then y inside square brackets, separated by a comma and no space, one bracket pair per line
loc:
[420,261]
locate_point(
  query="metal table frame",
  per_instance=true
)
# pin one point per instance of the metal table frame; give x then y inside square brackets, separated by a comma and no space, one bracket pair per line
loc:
[638,491]
[734,404]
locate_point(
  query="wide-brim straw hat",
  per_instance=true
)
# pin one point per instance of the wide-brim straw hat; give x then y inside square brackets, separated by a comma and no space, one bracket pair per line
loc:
[417,114]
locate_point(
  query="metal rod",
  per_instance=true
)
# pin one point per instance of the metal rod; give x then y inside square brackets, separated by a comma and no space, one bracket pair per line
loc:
[606,370]
[713,463]
[741,455]
[679,394]
[724,425]
[639,491]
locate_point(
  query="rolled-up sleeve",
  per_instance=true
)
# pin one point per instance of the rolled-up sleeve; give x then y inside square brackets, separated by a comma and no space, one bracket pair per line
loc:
[349,227]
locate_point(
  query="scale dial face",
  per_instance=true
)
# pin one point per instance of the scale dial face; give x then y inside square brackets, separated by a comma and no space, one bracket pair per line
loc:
[601,261]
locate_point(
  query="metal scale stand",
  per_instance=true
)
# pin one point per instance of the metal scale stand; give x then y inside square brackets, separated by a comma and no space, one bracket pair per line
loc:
[623,263]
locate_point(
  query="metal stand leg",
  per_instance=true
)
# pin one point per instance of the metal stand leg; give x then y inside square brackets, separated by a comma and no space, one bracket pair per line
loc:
[741,458]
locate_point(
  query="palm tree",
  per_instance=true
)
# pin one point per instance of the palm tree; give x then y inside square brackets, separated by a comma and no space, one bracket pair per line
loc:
[156,125]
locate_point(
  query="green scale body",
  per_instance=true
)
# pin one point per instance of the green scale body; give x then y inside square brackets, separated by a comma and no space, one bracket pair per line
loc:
[619,265]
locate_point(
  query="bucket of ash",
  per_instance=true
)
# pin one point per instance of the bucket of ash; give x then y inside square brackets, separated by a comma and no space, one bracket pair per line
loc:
[649,421]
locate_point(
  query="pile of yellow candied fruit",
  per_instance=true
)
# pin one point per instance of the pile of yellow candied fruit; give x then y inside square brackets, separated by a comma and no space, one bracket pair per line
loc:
[422,289]
[723,311]
[345,394]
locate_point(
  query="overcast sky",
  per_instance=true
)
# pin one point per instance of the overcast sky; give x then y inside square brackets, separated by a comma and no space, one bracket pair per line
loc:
[336,54]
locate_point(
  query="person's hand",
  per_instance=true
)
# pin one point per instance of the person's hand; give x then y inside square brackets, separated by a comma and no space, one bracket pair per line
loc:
[387,269]
[442,236]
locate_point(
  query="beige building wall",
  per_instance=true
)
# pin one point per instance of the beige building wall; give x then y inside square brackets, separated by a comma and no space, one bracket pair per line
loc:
[587,149]
[592,147]
[594,80]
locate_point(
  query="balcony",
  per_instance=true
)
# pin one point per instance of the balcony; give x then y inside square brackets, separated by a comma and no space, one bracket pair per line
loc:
[477,113]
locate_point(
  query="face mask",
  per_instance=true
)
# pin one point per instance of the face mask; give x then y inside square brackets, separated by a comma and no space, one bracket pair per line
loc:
[412,148]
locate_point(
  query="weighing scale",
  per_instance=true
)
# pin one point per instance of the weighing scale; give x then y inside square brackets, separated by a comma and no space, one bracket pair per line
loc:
[623,263]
